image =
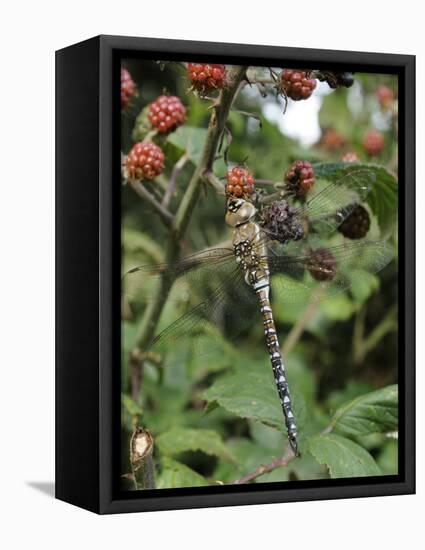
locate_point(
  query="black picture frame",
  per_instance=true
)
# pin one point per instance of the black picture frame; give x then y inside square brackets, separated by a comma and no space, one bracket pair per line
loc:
[88,275]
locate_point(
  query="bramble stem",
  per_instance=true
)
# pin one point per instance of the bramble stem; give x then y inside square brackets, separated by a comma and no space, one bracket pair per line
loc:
[266,468]
[141,190]
[141,449]
[180,222]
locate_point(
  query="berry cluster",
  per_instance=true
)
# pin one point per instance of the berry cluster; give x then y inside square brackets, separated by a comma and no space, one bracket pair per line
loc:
[166,113]
[282,222]
[128,87]
[374,143]
[299,178]
[240,182]
[357,224]
[206,77]
[296,84]
[145,161]
[385,96]
[322,265]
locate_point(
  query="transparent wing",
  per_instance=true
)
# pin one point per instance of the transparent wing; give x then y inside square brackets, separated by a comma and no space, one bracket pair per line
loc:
[307,278]
[331,206]
[192,272]
[224,314]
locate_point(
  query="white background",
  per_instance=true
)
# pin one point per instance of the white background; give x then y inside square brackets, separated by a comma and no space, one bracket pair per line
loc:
[29,34]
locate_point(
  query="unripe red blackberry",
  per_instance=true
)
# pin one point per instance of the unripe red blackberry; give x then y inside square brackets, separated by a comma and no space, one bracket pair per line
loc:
[240,182]
[322,265]
[128,87]
[299,178]
[166,113]
[332,140]
[350,156]
[385,96]
[374,143]
[282,222]
[206,77]
[296,84]
[145,161]
[357,224]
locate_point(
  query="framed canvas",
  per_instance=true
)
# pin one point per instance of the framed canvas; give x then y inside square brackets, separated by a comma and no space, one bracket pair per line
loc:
[235,274]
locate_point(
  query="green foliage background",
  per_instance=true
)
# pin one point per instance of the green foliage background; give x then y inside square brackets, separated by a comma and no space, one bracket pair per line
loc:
[215,421]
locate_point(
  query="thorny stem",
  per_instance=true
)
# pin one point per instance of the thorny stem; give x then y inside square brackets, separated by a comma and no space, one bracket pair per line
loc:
[180,222]
[266,468]
[141,190]
[178,167]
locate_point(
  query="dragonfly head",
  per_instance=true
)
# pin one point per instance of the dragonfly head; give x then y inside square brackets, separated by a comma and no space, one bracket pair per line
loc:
[239,211]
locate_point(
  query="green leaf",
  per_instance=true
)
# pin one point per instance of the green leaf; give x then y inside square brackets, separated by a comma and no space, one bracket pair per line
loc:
[136,242]
[383,195]
[375,412]
[251,393]
[343,457]
[248,395]
[175,474]
[190,140]
[178,440]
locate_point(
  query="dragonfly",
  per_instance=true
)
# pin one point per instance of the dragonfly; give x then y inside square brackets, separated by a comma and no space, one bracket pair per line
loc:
[250,270]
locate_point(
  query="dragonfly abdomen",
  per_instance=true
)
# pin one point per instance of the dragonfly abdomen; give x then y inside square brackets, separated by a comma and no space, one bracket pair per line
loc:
[277,365]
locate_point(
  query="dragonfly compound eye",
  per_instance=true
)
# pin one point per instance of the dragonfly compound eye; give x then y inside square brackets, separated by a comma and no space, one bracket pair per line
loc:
[322,265]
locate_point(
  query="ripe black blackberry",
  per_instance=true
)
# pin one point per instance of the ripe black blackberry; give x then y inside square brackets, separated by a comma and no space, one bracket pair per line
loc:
[282,222]
[357,224]
[336,79]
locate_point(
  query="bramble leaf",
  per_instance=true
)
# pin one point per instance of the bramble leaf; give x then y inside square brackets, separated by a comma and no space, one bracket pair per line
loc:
[343,457]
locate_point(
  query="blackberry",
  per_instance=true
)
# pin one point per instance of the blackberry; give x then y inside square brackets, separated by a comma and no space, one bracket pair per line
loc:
[240,182]
[166,113]
[282,222]
[357,224]
[206,77]
[385,96]
[296,84]
[322,265]
[374,143]
[299,178]
[336,79]
[145,161]
[128,87]
[332,140]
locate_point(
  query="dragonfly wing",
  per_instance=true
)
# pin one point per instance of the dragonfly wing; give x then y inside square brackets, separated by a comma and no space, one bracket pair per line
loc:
[189,273]
[331,206]
[221,317]
[313,277]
